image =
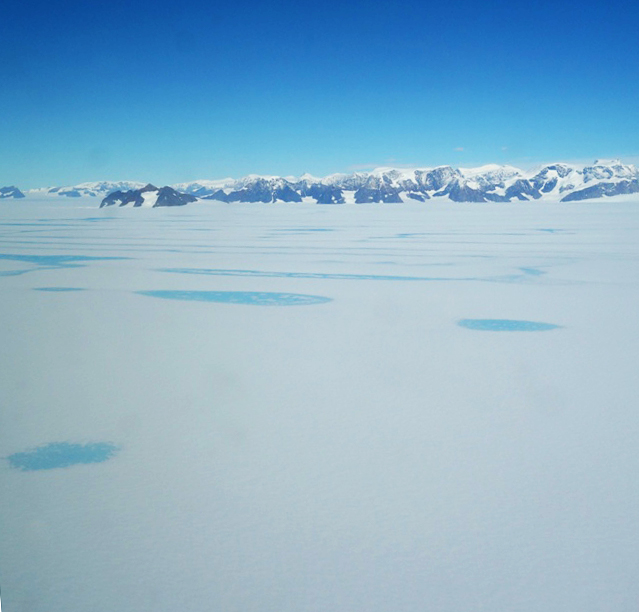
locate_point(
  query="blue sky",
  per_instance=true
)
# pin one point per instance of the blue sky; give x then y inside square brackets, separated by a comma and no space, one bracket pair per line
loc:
[173,91]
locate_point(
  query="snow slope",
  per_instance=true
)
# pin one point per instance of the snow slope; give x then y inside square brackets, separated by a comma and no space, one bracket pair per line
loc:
[92,189]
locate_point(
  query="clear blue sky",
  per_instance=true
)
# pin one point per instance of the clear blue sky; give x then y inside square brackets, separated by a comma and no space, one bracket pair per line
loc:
[171,91]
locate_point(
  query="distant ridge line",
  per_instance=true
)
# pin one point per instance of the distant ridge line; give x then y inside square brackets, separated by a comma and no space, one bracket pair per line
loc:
[489,183]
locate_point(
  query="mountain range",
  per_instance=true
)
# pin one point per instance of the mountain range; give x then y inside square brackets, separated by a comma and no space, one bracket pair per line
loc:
[491,183]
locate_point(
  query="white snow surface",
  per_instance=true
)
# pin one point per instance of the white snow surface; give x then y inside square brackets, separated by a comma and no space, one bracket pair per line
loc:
[366,454]
[492,170]
[150,198]
[93,189]
[207,184]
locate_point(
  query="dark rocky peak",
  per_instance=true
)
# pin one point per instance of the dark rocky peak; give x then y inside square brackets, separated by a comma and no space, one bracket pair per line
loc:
[437,178]
[325,194]
[260,189]
[602,189]
[522,189]
[219,195]
[458,191]
[560,170]
[202,192]
[408,184]
[166,196]
[547,178]
[286,193]
[375,182]
[348,182]
[122,198]
[377,190]
[608,169]
[255,190]
[420,197]
[10,192]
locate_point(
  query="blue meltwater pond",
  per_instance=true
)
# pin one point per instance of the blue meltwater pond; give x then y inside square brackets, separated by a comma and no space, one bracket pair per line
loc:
[61,455]
[252,298]
[55,260]
[506,325]
[58,289]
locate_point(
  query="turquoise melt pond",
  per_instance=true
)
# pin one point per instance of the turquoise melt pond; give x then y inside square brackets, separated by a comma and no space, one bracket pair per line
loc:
[61,455]
[58,289]
[509,325]
[251,298]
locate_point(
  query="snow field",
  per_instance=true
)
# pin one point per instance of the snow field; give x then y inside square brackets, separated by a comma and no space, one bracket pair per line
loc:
[366,453]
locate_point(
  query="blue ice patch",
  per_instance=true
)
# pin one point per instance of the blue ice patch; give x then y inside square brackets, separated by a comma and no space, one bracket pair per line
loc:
[505,325]
[56,289]
[61,455]
[310,275]
[55,260]
[252,298]
[305,229]
[532,271]
[51,262]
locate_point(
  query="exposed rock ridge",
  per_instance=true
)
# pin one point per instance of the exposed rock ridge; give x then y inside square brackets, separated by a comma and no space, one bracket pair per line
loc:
[148,197]
[10,192]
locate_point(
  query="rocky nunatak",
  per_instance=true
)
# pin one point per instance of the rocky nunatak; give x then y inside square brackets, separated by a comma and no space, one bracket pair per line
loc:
[10,192]
[148,197]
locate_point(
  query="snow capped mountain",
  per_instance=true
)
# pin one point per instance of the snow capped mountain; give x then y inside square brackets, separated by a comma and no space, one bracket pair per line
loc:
[556,178]
[148,197]
[609,169]
[491,173]
[203,188]
[10,192]
[96,189]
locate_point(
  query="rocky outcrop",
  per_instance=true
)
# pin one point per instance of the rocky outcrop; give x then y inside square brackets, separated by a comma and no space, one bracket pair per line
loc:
[458,191]
[10,192]
[522,189]
[603,189]
[167,196]
[324,194]
[378,189]
[148,197]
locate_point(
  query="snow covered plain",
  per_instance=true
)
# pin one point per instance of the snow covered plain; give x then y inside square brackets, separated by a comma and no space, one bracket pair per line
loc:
[374,448]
